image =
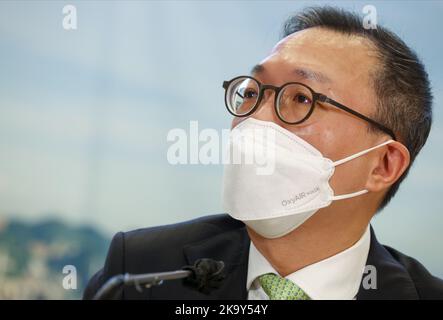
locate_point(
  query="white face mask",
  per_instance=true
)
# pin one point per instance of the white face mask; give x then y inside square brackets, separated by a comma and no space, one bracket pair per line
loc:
[276,203]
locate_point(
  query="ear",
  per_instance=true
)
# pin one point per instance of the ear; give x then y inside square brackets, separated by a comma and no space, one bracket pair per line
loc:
[389,164]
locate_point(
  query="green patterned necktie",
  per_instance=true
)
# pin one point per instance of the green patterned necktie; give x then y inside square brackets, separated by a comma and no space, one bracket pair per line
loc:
[278,288]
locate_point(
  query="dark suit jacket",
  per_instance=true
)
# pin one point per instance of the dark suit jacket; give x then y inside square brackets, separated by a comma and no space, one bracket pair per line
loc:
[220,237]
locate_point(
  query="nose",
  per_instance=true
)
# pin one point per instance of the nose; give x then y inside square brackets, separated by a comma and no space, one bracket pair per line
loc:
[266,110]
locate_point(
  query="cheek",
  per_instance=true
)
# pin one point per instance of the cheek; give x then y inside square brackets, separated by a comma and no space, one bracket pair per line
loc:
[323,138]
[338,144]
[350,176]
[320,136]
[341,139]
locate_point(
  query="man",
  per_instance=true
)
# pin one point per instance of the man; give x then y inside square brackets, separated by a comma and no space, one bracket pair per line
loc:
[353,107]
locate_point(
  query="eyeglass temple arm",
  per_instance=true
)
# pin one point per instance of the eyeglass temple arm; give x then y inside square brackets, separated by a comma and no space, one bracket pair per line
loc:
[324,98]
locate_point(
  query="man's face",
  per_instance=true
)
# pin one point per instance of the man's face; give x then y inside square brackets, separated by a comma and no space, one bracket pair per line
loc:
[345,63]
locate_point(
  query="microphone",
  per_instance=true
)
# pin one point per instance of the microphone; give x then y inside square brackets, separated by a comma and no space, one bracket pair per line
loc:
[204,276]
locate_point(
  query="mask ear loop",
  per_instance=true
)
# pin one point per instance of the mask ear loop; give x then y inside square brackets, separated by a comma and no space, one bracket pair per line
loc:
[339,162]
[349,195]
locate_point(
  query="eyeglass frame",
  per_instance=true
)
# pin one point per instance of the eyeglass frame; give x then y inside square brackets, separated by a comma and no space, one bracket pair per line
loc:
[316,97]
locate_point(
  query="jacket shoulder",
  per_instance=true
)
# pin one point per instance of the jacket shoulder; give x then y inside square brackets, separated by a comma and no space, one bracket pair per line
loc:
[427,285]
[184,232]
[157,248]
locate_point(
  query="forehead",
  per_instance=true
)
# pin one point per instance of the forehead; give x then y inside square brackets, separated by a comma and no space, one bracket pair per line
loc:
[339,57]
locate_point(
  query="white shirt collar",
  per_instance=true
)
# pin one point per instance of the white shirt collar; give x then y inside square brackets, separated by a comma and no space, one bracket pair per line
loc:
[337,277]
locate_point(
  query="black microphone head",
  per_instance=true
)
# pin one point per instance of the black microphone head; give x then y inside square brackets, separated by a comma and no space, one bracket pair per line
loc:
[206,275]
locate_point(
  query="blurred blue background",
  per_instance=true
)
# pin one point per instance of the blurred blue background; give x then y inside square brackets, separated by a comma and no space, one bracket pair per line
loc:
[84,116]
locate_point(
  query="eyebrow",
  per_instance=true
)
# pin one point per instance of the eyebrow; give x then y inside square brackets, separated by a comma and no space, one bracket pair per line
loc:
[306,74]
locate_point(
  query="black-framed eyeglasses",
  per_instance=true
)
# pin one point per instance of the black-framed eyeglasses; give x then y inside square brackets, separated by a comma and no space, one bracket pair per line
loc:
[294,101]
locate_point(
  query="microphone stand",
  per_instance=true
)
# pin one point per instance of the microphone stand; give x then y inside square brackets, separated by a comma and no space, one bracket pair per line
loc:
[147,280]
[205,276]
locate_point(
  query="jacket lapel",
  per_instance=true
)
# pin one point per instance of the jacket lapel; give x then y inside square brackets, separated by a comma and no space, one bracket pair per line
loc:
[232,248]
[392,279]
